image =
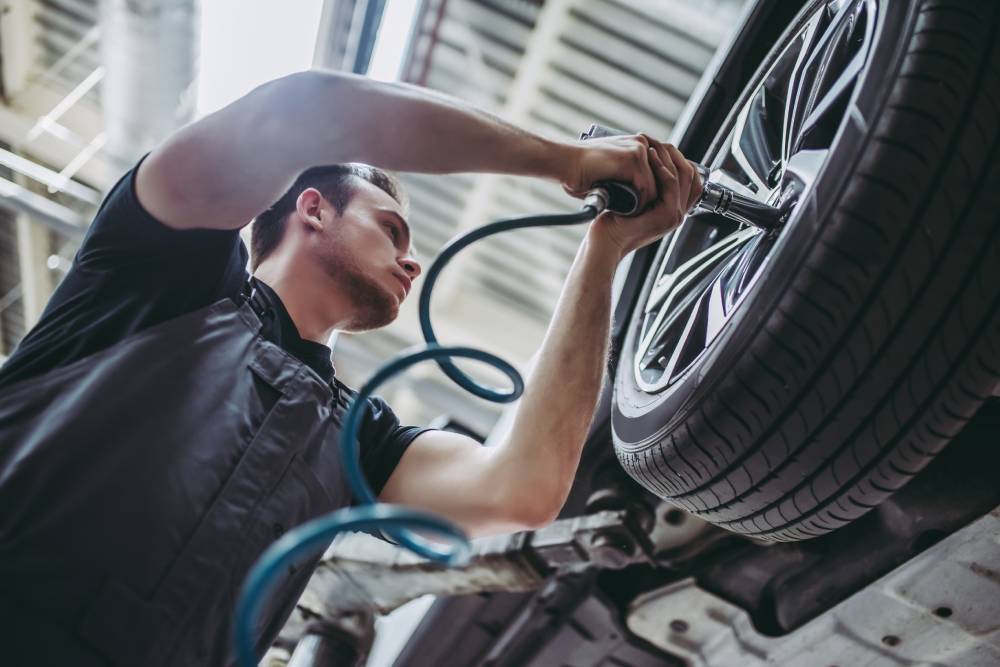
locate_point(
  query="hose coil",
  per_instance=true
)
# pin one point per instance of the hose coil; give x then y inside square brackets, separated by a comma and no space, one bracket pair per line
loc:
[398,522]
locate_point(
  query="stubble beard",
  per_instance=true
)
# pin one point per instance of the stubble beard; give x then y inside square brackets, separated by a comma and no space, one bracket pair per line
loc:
[374,305]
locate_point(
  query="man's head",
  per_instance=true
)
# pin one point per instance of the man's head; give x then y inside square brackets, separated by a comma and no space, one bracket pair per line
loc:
[344,225]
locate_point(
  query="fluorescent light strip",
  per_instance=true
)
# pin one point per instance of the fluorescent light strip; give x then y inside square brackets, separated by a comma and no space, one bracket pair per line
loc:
[393,39]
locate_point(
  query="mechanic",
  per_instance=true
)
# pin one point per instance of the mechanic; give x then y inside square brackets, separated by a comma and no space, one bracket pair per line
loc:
[169,416]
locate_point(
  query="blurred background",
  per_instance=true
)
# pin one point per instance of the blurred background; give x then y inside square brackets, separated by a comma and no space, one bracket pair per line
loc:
[89,86]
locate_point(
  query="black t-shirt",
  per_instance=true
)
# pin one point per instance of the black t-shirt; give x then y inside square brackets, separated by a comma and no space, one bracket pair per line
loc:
[132,272]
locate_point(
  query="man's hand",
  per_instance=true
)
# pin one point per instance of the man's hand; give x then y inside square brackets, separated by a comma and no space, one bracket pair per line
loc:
[622,158]
[678,186]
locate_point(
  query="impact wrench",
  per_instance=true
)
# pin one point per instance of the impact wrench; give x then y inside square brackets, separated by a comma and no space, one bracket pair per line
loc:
[715,198]
[399,522]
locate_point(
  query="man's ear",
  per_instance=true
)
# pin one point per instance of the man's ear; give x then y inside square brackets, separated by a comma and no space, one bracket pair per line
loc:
[308,205]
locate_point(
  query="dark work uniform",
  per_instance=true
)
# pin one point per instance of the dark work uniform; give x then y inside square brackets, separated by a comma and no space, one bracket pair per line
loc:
[157,431]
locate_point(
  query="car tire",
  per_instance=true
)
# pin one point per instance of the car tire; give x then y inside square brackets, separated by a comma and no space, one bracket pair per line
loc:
[872,333]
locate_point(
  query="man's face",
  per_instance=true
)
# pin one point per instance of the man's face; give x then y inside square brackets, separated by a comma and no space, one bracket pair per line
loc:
[367,251]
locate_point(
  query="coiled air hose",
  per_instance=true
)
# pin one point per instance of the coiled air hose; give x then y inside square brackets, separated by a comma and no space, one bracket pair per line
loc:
[396,521]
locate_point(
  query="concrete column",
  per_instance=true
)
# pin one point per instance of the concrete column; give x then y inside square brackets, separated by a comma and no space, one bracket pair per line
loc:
[17,41]
[33,249]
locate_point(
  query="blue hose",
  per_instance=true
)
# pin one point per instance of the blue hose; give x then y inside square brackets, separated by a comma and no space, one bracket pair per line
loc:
[396,521]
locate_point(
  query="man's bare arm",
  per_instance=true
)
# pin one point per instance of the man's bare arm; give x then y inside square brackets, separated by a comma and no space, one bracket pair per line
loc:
[229,166]
[524,482]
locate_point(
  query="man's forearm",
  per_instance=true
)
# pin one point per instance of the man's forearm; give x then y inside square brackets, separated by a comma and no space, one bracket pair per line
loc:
[540,455]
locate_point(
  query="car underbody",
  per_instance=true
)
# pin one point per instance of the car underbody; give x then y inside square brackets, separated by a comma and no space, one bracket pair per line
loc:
[912,582]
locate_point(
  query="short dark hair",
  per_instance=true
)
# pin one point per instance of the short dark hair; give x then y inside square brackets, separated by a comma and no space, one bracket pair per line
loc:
[335,182]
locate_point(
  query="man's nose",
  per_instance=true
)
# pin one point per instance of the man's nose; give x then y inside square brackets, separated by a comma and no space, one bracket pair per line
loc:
[411,266]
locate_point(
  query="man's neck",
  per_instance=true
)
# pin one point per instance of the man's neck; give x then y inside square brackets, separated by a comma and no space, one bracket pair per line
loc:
[300,298]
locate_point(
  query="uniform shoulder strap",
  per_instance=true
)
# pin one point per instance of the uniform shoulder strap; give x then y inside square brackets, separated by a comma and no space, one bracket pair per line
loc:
[259,305]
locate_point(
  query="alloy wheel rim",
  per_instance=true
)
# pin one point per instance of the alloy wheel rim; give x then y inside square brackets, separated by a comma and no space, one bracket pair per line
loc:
[773,150]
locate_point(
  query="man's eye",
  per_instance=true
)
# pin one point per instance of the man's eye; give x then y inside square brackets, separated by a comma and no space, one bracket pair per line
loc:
[393,232]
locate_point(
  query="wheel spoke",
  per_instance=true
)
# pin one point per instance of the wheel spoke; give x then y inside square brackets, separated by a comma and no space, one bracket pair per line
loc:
[669,285]
[728,289]
[675,292]
[718,311]
[693,323]
[795,82]
[840,86]
[667,321]
[670,369]
[831,69]
[810,65]
[825,46]
[753,149]
[737,280]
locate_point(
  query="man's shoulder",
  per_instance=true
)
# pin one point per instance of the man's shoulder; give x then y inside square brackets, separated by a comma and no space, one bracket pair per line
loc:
[125,234]
[130,273]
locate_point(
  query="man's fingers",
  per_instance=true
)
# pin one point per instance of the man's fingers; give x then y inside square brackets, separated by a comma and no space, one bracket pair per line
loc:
[669,184]
[664,156]
[696,187]
[666,177]
[685,174]
[645,181]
